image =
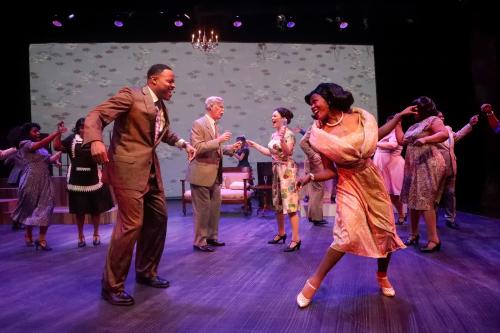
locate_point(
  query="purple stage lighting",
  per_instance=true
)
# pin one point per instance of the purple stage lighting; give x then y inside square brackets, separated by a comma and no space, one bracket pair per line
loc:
[290,24]
[343,25]
[57,23]
[237,24]
[118,24]
[178,23]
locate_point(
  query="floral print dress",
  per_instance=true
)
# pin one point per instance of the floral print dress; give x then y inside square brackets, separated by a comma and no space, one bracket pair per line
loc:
[425,169]
[284,191]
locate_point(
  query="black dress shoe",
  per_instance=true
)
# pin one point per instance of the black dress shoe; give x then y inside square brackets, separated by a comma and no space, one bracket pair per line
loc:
[155,282]
[291,248]
[452,225]
[117,298]
[318,223]
[412,240]
[215,242]
[203,248]
[17,226]
[429,249]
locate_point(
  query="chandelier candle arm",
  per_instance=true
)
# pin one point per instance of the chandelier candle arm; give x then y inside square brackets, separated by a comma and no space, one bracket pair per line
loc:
[204,42]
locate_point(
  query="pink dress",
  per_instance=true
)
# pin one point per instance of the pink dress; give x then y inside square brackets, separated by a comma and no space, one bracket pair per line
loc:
[364,223]
[390,163]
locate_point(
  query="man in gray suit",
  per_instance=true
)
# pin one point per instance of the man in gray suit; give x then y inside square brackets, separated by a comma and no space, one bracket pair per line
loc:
[205,174]
[315,190]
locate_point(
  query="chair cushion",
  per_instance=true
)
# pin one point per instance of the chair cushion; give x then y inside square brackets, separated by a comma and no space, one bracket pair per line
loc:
[237,185]
[226,194]
[230,177]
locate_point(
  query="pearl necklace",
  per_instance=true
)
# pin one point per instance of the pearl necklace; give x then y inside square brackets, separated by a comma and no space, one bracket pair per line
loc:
[338,122]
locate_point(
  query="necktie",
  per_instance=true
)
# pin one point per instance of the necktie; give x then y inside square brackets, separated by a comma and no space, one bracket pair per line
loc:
[160,119]
[216,130]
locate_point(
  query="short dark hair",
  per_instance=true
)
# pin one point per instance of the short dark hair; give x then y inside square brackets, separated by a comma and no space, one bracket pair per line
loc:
[285,113]
[425,107]
[157,69]
[79,123]
[25,131]
[334,95]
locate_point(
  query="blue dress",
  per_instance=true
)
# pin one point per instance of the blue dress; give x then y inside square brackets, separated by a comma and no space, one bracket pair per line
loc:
[36,195]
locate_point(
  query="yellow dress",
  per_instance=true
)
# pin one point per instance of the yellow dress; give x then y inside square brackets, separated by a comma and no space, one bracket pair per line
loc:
[364,222]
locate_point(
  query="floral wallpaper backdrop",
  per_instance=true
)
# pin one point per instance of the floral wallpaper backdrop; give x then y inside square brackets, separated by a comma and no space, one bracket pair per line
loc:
[68,80]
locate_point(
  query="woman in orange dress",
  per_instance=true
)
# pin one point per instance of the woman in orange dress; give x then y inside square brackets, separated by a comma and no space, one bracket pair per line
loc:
[364,225]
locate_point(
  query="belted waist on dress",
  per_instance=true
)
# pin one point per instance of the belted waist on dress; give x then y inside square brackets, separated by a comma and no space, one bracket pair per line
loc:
[358,166]
[285,162]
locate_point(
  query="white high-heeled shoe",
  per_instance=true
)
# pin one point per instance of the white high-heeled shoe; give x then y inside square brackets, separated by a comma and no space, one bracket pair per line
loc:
[386,291]
[302,301]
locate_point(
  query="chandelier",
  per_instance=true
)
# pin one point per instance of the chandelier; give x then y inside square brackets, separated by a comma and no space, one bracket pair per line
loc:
[204,42]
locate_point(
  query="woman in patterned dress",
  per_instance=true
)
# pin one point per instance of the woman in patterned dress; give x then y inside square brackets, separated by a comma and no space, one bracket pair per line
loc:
[36,196]
[284,192]
[424,173]
[86,192]
[347,137]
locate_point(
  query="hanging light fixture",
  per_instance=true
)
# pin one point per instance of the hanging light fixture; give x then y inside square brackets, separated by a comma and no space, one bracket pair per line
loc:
[205,42]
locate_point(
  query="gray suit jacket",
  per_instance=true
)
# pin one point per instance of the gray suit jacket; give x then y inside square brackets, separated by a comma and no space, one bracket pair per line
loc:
[448,146]
[315,162]
[204,168]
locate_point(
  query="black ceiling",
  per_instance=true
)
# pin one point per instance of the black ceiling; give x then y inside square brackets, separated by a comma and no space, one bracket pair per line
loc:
[315,20]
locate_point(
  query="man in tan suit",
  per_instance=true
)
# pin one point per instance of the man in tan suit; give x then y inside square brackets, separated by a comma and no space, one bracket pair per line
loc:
[205,174]
[132,168]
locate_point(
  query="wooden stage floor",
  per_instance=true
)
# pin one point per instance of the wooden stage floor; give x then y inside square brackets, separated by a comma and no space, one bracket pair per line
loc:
[250,286]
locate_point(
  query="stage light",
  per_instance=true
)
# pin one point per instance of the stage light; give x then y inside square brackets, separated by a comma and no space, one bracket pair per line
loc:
[118,23]
[56,22]
[283,21]
[280,20]
[178,21]
[237,22]
[343,24]
[71,16]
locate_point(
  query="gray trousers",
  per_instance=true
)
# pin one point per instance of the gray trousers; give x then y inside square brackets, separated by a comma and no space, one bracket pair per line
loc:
[450,205]
[206,210]
[315,191]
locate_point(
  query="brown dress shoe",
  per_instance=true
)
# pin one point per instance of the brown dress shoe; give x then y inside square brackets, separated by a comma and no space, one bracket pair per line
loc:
[155,282]
[215,242]
[117,298]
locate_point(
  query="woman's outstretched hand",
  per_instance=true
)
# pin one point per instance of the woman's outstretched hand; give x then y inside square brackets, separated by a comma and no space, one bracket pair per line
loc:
[410,110]
[251,143]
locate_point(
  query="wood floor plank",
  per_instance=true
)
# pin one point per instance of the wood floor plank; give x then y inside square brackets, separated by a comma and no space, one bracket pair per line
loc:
[250,286]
